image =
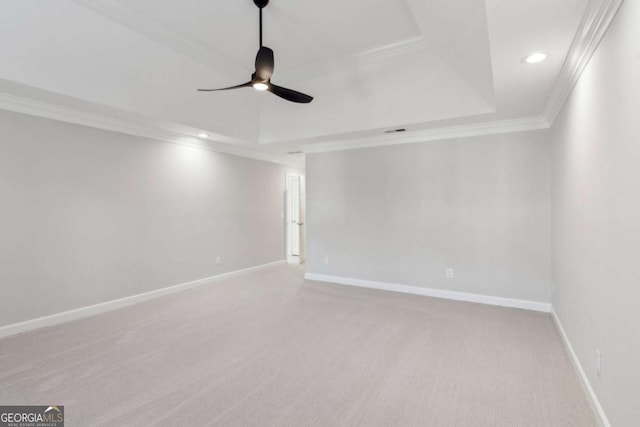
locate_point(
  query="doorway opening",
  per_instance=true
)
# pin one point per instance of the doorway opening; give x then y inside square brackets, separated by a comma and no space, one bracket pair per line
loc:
[295,218]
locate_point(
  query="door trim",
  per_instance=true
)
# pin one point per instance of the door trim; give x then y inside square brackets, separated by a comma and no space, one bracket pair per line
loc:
[291,259]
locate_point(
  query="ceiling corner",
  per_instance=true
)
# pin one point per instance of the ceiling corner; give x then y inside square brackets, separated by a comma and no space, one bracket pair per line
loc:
[596,21]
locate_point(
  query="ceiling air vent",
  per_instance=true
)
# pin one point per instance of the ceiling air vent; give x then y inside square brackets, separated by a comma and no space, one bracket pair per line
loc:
[395,130]
[294,152]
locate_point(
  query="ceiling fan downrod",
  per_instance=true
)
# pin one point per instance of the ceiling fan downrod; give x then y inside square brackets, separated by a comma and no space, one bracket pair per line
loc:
[261,5]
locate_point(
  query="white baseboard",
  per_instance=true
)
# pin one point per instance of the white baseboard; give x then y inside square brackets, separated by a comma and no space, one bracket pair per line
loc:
[593,399]
[436,293]
[91,310]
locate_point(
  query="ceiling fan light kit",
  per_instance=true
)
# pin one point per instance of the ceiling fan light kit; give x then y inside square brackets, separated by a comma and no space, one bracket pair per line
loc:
[261,78]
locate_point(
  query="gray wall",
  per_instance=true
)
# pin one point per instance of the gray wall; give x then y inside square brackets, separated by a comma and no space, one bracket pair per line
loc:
[90,216]
[404,214]
[596,218]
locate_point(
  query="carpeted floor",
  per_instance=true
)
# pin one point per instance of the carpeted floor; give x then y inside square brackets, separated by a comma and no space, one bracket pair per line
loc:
[268,349]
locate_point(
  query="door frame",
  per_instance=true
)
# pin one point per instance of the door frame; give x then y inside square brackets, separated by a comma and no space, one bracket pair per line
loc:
[291,258]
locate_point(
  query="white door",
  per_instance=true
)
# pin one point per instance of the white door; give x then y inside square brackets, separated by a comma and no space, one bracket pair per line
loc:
[295,219]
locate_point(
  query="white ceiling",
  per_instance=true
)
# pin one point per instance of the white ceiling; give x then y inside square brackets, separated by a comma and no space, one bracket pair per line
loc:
[371,65]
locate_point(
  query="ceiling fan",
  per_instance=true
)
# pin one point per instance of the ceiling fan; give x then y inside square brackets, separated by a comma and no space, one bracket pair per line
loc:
[261,79]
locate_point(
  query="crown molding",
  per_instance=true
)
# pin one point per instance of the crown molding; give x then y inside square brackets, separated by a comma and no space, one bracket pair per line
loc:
[392,49]
[440,134]
[596,20]
[165,133]
[364,58]
[594,25]
[155,131]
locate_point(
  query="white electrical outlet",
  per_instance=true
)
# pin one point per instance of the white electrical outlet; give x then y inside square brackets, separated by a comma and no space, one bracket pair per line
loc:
[218,260]
[449,273]
[598,362]
[553,288]
[326,260]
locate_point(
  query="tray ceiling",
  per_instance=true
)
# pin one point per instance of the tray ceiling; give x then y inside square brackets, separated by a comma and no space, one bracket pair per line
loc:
[371,65]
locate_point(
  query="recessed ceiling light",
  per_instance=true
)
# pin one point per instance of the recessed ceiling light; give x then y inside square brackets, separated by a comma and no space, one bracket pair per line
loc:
[203,135]
[535,58]
[260,86]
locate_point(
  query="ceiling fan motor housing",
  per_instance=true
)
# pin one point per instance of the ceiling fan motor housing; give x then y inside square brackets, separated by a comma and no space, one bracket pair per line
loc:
[261,3]
[261,79]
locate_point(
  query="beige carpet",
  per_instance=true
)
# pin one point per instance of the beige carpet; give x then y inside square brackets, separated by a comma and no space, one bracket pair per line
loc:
[269,349]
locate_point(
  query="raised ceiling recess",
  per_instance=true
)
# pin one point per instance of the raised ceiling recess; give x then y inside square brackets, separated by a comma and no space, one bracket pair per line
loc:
[371,66]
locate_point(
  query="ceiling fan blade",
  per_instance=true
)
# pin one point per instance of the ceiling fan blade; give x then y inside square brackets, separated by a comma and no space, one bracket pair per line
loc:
[289,94]
[264,64]
[226,88]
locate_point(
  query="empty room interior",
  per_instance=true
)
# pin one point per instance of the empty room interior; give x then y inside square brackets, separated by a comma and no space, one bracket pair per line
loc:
[320,213]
